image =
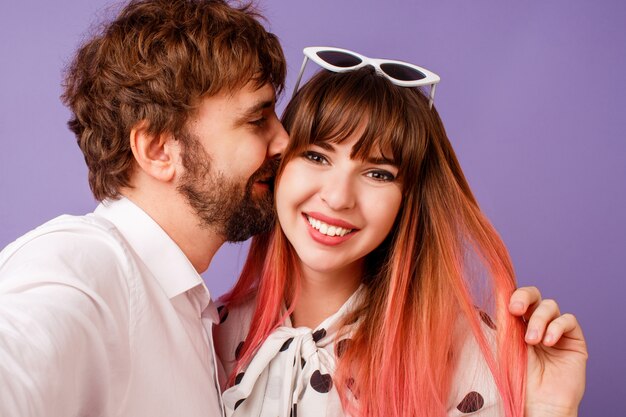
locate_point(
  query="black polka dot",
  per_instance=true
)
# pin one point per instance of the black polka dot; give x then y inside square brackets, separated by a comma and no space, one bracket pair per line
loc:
[294,411]
[471,403]
[239,377]
[351,387]
[341,347]
[321,382]
[319,335]
[285,345]
[350,383]
[222,311]
[238,403]
[238,350]
[302,362]
[487,320]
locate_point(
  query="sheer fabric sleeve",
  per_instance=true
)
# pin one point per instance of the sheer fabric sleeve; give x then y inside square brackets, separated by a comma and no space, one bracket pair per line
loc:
[230,334]
[474,392]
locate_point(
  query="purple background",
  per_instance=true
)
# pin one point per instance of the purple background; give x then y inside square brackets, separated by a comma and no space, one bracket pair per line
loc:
[532,95]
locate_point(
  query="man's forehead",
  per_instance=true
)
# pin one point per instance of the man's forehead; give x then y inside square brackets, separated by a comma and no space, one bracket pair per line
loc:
[251,95]
[236,105]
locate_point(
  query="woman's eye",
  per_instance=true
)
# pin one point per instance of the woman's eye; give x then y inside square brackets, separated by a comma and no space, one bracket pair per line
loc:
[381,175]
[315,157]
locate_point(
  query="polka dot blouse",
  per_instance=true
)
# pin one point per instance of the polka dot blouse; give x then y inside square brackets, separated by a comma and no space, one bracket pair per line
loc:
[291,374]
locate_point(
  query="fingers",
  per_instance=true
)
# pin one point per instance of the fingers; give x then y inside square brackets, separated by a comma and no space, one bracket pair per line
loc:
[545,324]
[524,301]
[567,325]
[543,315]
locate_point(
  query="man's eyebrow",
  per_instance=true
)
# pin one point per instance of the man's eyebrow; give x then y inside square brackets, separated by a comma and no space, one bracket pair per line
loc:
[251,111]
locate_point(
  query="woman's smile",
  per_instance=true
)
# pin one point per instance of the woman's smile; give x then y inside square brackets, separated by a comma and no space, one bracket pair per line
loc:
[334,208]
[328,231]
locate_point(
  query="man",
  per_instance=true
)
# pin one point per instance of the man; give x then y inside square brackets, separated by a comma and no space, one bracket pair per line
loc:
[105,314]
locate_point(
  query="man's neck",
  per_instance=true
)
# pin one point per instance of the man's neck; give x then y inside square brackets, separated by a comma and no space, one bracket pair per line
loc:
[199,243]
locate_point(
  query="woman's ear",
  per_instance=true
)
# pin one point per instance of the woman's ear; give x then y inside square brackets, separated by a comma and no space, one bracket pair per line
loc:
[156,155]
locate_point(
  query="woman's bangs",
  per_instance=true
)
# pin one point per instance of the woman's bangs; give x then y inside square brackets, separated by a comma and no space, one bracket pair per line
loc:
[365,108]
[337,120]
[333,107]
[382,136]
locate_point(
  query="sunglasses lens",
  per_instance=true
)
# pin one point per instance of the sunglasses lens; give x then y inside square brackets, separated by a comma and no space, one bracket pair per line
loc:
[339,59]
[402,72]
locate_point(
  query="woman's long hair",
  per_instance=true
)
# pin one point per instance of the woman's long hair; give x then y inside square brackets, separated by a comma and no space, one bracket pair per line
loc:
[422,282]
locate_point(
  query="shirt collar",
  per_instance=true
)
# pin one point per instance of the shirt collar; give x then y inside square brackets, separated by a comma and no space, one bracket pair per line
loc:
[160,254]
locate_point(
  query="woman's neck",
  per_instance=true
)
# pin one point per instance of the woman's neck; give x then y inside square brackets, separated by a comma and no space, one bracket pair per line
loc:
[323,293]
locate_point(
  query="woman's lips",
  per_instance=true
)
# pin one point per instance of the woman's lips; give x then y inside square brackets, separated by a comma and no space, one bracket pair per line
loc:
[330,220]
[328,231]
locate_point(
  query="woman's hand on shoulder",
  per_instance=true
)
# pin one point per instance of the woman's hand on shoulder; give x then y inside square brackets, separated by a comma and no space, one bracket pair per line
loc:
[557,355]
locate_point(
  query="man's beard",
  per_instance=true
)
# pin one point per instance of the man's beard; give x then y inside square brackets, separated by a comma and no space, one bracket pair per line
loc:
[226,204]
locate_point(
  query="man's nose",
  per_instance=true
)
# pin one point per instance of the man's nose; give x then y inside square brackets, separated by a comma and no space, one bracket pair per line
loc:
[278,142]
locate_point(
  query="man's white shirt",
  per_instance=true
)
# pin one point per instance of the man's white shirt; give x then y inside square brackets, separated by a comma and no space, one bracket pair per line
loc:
[104,315]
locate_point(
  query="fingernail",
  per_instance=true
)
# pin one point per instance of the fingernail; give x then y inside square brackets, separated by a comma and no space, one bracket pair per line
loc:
[532,334]
[517,306]
[549,338]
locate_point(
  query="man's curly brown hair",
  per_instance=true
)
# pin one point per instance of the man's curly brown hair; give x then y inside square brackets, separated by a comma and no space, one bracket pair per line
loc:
[153,63]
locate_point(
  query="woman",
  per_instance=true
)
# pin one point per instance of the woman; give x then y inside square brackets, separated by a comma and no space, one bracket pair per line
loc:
[363,301]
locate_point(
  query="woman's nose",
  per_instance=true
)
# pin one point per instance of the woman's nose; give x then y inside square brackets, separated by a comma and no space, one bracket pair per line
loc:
[338,192]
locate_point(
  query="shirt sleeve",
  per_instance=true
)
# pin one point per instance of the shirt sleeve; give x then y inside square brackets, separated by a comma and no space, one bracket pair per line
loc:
[63,327]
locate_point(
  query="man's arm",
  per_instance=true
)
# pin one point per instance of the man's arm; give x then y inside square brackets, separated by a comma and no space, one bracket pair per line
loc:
[61,332]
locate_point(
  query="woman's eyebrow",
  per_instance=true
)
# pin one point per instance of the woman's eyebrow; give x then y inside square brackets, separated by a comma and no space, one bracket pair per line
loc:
[325,145]
[381,160]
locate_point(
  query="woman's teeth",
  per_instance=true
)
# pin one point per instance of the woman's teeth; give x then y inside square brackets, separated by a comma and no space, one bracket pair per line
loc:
[327,229]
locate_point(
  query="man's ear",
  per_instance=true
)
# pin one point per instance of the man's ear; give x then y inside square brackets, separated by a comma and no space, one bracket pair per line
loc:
[156,155]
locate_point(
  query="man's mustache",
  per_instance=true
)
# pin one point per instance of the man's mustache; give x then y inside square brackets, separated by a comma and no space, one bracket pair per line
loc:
[267,172]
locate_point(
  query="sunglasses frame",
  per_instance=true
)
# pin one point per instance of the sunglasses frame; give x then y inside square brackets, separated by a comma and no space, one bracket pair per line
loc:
[311,53]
